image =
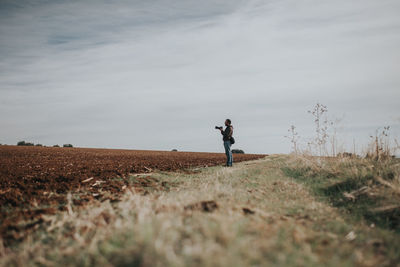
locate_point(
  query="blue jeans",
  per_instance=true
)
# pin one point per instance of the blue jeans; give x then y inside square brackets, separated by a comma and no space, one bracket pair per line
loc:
[228,152]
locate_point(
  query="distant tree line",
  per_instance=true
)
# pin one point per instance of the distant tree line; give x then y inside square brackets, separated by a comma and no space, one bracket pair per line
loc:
[237,151]
[23,143]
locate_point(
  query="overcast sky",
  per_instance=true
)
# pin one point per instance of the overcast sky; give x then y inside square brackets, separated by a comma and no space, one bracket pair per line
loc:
[161,74]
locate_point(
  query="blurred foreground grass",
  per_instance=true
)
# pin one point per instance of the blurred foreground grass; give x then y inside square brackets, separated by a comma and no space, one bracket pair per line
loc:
[258,213]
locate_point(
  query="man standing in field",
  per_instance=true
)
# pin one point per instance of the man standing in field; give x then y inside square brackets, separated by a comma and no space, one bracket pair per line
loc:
[227,135]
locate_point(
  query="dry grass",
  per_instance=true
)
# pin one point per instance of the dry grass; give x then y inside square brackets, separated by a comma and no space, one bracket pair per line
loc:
[251,214]
[367,188]
[378,180]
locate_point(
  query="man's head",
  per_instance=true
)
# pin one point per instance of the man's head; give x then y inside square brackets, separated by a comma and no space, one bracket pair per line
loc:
[228,122]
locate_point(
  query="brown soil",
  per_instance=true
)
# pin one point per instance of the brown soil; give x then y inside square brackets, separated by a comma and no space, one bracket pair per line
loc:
[36,180]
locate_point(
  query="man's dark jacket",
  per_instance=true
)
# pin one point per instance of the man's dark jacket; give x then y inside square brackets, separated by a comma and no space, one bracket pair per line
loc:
[227,133]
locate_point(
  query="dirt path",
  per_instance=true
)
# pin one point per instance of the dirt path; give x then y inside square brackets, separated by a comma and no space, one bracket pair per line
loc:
[250,214]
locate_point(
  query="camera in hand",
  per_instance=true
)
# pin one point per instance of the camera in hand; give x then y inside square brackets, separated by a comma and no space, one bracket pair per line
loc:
[218,127]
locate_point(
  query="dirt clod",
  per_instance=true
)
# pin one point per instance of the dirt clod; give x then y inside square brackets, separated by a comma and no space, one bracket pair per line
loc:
[248,211]
[206,206]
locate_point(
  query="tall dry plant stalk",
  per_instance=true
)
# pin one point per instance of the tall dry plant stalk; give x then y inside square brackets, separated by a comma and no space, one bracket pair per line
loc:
[335,149]
[321,127]
[380,146]
[294,138]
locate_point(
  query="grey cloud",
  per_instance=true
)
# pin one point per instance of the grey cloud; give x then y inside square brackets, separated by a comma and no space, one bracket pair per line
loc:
[100,73]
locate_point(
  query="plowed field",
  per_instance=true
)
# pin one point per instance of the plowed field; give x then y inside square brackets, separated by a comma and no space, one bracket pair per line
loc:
[36,180]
